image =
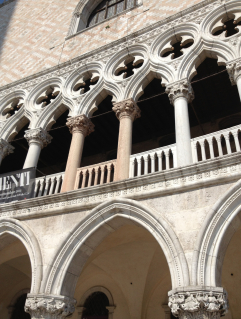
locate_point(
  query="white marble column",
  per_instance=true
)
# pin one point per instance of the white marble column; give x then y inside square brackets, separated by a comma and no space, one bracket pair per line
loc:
[80,126]
[126,111]
[234,71]
[37,139]
[180,94]
[5,149]
[49,306]
[205,304]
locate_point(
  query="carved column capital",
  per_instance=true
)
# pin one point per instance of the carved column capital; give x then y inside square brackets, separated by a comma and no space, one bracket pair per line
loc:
[5,148]
[127,108]
[198,304]
[178,89]
[38,135]
[234,71]
[49,306]
[80,123]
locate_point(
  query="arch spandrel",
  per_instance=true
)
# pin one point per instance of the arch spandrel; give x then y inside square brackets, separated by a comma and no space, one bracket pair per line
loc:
[221,223]
[21,231]
[66,267]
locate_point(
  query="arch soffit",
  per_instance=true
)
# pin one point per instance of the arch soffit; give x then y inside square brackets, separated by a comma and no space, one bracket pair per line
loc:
[101,215]
[25,235]
[95,289]
[217,230]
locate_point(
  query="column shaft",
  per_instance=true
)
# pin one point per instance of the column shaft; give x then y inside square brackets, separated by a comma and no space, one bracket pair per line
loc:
[239,86]
[33,155]
[80,126]
[73,162]
[124,148]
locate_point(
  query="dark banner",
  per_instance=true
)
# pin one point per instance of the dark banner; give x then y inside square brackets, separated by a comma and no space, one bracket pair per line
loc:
[18,185]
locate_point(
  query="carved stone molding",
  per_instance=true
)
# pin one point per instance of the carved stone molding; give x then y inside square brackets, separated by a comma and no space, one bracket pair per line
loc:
[234,71]
[198,304]
[5,148]
[80,123]
[178,89]
[39,136]
[49,306]
[127,108]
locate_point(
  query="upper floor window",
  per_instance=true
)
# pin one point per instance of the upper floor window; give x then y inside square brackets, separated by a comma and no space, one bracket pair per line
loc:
[109,8]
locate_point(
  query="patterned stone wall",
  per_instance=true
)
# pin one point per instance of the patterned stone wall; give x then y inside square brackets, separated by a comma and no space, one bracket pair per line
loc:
[32,33]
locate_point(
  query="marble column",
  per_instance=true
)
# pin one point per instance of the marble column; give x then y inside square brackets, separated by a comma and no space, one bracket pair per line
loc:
[49,306]
[234,71]
[126,111]
[5,149]
[180,94]
[80,126]
[205,304]
[37,139]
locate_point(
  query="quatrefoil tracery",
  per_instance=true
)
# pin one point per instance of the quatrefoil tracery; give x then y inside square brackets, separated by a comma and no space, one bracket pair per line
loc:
[12,107]
[86,82]
[176,47]
[227,28]
[129,66]
[50,94]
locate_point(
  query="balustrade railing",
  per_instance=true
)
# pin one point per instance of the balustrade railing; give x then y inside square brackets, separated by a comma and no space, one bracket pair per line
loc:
[97,174]
[156,160]
[48,185]
[216,144]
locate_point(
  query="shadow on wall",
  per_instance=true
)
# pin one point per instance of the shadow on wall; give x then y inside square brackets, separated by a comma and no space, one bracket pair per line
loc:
[7,8]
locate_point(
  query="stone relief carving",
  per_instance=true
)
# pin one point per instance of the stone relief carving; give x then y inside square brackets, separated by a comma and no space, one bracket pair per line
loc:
[203,305]
[178,89]
[127,108]
[80,123]
[39,136]
[5,148]
[49,307]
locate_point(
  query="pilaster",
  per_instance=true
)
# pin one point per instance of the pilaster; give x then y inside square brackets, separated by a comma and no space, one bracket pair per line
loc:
[49,306]
[198,304]
[39,136]
[178,89]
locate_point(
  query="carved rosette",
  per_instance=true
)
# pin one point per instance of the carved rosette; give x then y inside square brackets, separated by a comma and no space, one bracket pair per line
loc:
[180,89]
[81,124]
[198,305]
[5,148]
[127,108]
[234,71]
[39,136]
[49,307]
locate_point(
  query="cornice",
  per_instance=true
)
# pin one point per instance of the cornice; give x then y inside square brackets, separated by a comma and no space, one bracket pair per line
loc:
[146,35]
[210,172]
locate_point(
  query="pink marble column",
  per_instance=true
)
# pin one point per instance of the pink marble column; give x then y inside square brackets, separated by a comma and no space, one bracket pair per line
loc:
[126,111]
[80,126]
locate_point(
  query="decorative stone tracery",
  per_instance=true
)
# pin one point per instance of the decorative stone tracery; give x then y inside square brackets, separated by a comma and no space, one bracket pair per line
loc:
[198,304]
[49,307]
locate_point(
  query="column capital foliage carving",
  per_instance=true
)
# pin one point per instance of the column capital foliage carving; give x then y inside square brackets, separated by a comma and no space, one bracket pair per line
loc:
[80,123]
[234,70]
[198,304]
[127,108]
[49,306]
[178,89]
[38,135]
[5,148]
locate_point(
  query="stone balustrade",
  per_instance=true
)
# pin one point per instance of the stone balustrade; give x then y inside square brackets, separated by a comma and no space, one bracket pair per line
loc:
[156,160]
[97,174]
[216,144]
[48,185]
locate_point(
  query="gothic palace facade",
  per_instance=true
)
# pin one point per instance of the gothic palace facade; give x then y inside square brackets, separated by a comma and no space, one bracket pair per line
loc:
[128,112]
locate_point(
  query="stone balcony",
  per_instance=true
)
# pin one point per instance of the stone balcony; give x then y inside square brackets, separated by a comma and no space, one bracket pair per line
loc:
[153,180]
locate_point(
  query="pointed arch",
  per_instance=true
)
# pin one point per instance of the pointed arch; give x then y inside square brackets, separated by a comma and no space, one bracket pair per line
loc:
[25,235]
[105,218]
[221,223]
